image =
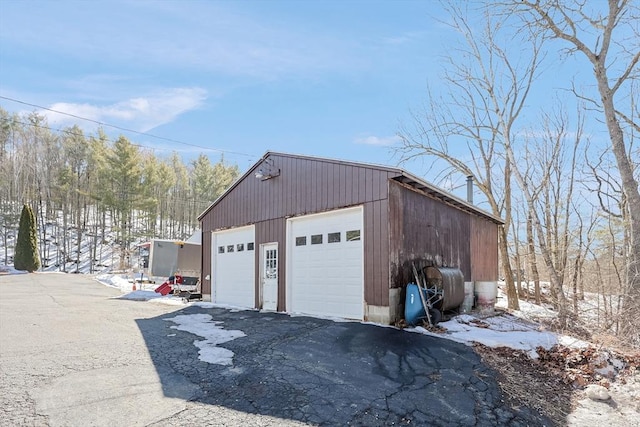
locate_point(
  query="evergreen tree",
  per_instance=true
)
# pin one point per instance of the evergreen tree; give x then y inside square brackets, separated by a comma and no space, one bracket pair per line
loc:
[223,176]
[26,256]
[203,179]
[123,193]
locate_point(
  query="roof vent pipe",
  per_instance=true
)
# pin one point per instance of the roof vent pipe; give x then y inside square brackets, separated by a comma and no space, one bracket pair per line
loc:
[470,189]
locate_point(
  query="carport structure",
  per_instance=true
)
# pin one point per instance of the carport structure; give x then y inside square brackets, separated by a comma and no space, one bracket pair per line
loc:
[334,238]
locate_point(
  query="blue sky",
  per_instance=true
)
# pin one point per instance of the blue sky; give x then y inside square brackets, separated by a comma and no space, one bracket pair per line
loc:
[327,78]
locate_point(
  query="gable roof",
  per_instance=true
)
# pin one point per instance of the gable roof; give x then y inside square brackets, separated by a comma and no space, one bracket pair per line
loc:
[401,176]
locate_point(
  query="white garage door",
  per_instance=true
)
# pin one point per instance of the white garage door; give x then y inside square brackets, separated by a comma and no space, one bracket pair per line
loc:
[325,264]
[233,264]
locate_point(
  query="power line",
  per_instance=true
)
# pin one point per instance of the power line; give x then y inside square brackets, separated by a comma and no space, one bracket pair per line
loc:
[126,129]
[70,132]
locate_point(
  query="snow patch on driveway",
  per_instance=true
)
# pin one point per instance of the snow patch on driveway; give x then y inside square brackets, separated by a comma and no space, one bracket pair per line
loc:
[204,326]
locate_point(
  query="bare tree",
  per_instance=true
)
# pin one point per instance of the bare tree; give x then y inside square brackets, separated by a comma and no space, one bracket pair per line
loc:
[9,213]
[532,259]
[549,181]
[610,41]
[488,90]
[582,250]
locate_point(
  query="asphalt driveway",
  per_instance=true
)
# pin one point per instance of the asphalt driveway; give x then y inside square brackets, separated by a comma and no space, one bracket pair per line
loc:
[323,372]
[71,355]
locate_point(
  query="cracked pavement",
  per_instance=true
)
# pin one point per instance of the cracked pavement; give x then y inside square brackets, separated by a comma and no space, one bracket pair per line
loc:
[69,355]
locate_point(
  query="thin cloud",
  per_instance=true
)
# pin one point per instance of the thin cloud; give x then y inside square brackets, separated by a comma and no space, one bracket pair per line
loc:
[377,141]
[142,113]
[204,37]
[404,38]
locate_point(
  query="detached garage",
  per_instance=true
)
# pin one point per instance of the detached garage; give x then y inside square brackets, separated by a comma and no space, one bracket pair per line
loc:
[333,238]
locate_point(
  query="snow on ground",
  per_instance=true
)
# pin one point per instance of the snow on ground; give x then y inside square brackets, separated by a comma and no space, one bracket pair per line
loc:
[497,331]
[231,308]
[527,310]
[141,292]
[591,309]
[500,330]
[116,281]
[201,325]
[167,300]
[503,330]
[213,333]
[517,330]
[140,296]
[6,269]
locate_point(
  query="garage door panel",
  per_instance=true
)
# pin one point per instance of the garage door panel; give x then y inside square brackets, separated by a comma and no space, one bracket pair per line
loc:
[234,267]
[327,278]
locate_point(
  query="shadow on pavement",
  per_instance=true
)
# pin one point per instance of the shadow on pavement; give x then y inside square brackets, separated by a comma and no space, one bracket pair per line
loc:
[331,373]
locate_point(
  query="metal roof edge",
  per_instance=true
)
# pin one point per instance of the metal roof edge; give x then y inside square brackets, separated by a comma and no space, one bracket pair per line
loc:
[454,200]
[457,202]
[297,156]
[339,161]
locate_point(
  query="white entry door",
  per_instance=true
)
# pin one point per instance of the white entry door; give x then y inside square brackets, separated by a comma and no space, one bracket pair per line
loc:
[270,276]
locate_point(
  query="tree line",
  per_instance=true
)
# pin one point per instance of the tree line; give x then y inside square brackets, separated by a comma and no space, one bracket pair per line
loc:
[87,185]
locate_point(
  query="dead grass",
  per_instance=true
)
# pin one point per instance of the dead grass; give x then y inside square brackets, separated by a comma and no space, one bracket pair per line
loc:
[552,383]
[523,382]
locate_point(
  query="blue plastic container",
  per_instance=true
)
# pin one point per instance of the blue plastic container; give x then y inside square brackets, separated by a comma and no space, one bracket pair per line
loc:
[413,309]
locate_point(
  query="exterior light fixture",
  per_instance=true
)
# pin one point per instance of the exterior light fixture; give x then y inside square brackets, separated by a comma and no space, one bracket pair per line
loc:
[267,171]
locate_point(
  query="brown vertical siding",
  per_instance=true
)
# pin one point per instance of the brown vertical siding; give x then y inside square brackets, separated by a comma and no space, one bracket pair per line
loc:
[206,263]
[484,250]
[342,188]
[376,252]
[307,186]
[426,232]
[369,256]
[396,235]
[304,186]
[272,231]
[383,260]
[360,184]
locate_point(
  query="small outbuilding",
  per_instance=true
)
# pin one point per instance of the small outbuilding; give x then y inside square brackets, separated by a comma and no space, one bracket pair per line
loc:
[168,257]
[335,238]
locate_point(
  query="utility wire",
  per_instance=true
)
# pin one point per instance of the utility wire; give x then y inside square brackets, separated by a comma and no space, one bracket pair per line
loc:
[68,131]
[126,129]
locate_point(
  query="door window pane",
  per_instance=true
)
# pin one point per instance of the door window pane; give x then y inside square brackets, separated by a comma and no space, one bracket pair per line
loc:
[271,264]
[316,239]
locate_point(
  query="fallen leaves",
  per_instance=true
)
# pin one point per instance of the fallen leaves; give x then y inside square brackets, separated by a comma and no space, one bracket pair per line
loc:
[549,382]
[524,382]
[479,323]
[583,366]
